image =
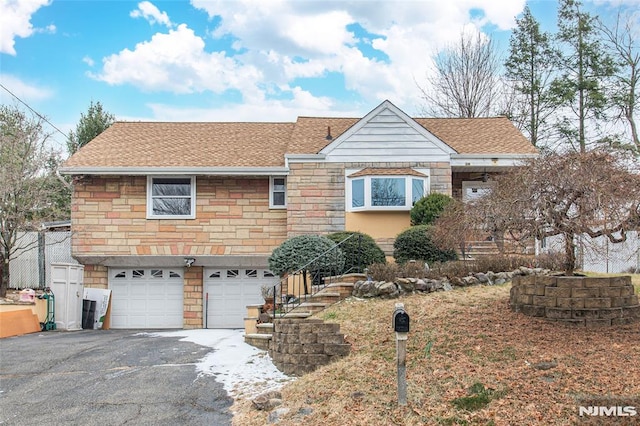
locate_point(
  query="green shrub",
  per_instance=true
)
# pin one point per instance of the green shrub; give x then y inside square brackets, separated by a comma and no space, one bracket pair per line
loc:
[298,251]
[427,209]
[415,244]
[360,251]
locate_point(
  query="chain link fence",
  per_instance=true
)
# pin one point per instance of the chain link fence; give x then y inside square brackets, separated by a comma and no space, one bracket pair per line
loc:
[31,268]
[601,255]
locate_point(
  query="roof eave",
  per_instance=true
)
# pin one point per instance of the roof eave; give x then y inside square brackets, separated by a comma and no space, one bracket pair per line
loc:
[467,160]
[144,171]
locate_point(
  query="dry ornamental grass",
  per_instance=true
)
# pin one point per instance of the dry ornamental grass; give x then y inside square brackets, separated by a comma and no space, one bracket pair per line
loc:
[470,361]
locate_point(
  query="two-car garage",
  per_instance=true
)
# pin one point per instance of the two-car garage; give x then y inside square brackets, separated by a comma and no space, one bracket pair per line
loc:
[153,298]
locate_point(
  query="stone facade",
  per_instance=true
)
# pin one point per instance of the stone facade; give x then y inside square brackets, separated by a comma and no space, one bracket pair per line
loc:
[581,301]
[315,198]
[300,346]
[232,218]
[192,297]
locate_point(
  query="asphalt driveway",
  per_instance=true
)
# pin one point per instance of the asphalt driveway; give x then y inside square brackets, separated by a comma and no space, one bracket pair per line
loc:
[107,377]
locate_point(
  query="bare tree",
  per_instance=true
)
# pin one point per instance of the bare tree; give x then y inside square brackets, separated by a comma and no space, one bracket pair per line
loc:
[465,82]
[26,181]
[454,228]
[592,193]
[622,42]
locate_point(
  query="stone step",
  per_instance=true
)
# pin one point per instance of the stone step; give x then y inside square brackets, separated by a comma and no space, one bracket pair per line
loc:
[344,289]
[311,307]
[292,315]
[327,298]
[265,328]
[260,341]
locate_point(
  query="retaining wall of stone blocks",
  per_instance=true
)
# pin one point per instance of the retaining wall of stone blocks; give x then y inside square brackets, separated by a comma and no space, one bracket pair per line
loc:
[300,346]
[581,301]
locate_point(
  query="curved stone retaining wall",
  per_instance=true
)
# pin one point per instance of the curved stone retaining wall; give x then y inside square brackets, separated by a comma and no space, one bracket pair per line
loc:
[582,301]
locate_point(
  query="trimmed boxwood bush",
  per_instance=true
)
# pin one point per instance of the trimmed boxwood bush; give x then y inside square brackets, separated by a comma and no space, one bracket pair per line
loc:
[298,251]
[427,209]
[415,244]
[360,251]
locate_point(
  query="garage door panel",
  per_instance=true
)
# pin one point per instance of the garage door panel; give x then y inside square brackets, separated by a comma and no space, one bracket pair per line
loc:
[146,298]
[230,291]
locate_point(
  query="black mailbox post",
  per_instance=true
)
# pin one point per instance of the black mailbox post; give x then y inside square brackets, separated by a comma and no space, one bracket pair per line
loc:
[400,321]
[401,327]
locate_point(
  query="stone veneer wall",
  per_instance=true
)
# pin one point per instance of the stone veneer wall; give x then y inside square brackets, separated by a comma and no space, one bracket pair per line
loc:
[300,346]
[108,217]
[316,193]
[582,301]
[192,297]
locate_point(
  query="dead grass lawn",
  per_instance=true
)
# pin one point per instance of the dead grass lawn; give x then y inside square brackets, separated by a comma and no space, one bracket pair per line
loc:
[458,339]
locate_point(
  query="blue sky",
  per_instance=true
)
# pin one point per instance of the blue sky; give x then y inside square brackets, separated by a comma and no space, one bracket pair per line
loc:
[245,60]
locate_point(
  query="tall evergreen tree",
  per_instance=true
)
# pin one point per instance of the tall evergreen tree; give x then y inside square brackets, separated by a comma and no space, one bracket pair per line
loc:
[530,67]
[96,121]
[584,67]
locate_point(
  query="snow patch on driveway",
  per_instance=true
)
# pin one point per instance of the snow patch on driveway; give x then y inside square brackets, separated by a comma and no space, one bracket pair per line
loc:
[245,371]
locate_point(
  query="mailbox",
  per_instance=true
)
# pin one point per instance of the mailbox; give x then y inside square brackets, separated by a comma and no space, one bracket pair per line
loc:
[400,321]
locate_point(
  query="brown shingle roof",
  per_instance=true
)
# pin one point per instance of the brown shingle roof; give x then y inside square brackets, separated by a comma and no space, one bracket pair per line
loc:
[261,144]
[150,144]
[493,135]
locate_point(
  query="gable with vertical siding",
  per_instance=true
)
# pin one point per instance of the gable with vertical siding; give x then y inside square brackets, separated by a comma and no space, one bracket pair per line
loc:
[387,134]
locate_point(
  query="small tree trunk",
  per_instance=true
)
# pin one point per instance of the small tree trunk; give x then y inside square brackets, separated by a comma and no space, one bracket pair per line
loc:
[570,254]
[4,283]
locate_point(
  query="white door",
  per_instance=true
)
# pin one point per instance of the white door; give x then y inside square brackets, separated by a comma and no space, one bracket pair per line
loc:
[146,298]
[229,291]
[68,289]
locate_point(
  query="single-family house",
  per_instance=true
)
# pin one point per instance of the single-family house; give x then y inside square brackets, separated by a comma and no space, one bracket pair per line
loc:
[178,219]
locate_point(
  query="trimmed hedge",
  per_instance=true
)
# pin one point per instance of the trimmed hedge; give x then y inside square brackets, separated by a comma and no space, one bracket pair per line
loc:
[360,251]
[298,251]
[416,244]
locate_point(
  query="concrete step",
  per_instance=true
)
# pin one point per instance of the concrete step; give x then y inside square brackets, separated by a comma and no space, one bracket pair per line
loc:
[260,341]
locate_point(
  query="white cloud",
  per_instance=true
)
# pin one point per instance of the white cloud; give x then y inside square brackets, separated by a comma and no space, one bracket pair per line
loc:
[277,42]
[87,60]
[151,13]
[176,62]
[302,103]
[15,21]
[28,92]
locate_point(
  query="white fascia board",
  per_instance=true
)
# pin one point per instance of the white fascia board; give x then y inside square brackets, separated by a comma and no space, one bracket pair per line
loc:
[303,158]
[195,171]
[487,160]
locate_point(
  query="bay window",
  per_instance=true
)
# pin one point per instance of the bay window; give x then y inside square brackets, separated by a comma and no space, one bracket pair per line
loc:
[384,192]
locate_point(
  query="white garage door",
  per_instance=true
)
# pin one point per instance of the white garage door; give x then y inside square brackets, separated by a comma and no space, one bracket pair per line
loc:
[146,298]
[229,292]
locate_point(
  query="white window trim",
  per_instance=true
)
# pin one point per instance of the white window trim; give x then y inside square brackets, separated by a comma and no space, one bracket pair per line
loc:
[367,191]
[272,190]
[150,214]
